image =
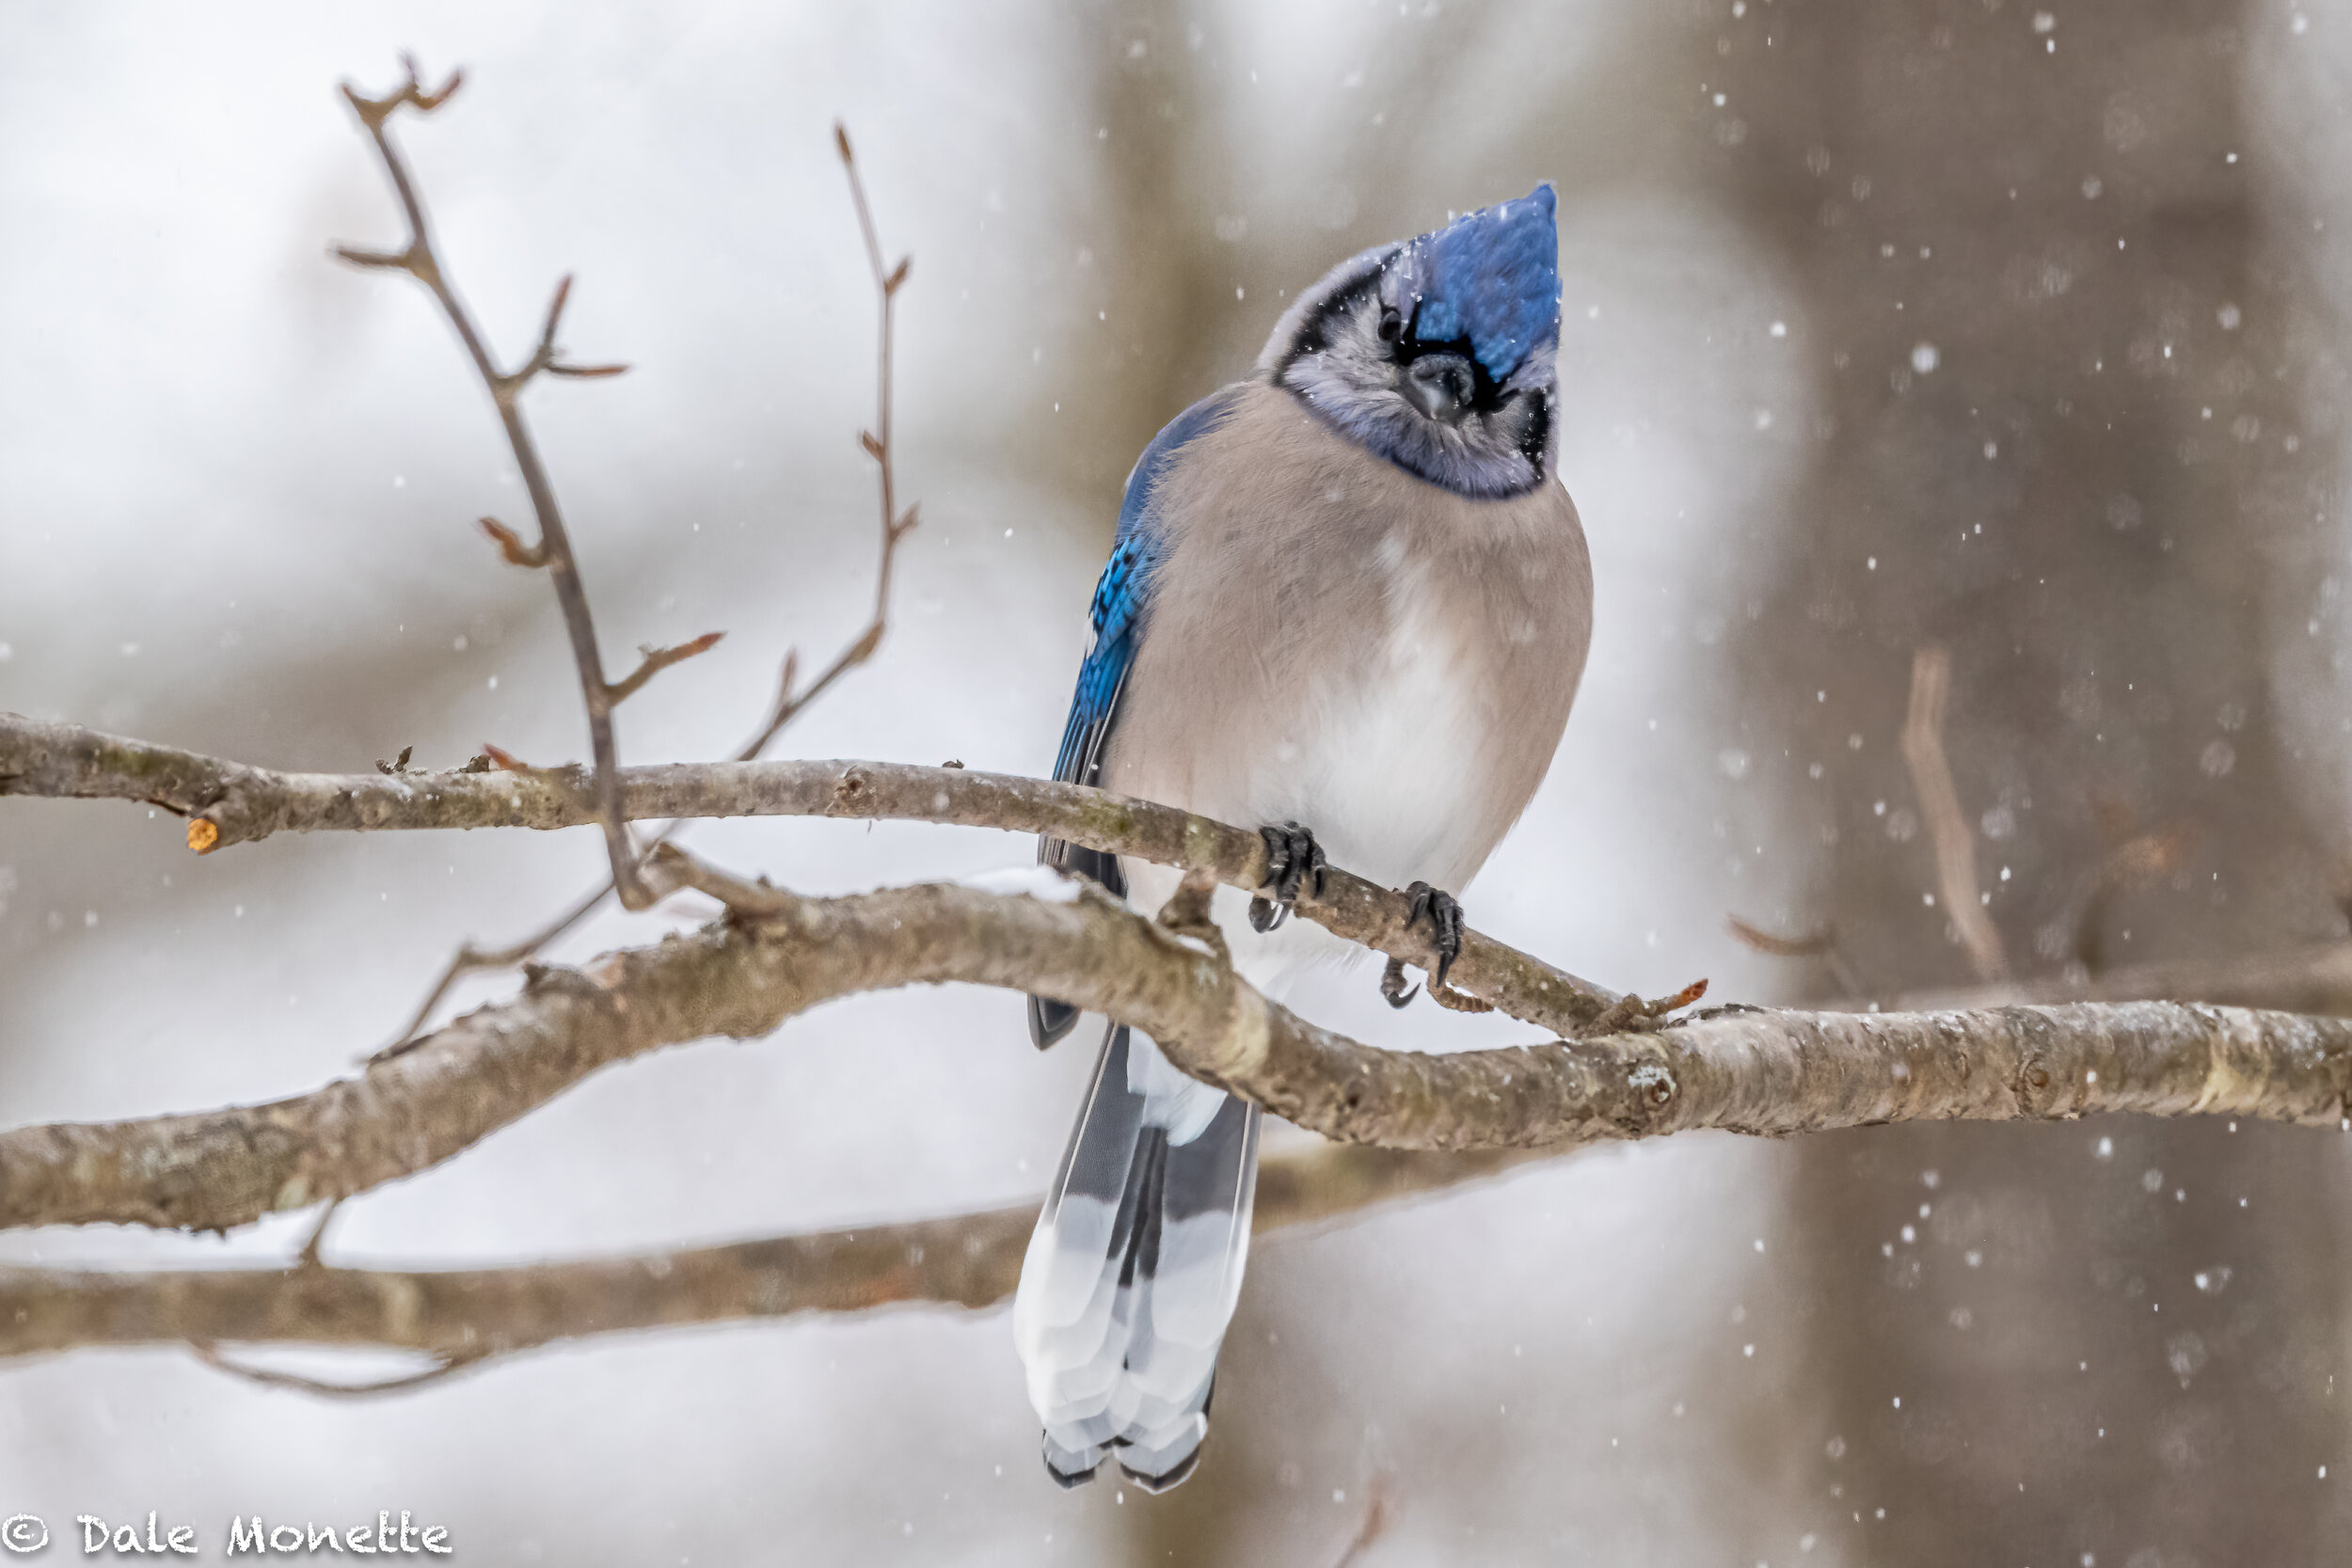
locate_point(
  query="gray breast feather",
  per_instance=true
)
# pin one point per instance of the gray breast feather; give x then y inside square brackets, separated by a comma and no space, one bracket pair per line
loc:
[1334,641]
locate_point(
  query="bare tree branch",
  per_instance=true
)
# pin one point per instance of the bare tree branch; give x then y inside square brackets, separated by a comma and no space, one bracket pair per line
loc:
[466,1316]
[1622,1073]
[554,549]
[896,525]
[230,803]
[1948,824]
[791,699]
[1739,1070]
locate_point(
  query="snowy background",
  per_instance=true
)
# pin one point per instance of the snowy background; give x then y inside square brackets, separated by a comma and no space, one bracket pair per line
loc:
[237,483]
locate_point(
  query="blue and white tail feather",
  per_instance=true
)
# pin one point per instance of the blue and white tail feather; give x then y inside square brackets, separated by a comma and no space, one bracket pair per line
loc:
[1136,1260]
[1134,1267]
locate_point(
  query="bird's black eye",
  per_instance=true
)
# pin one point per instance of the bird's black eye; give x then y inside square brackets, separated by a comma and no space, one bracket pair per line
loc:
[1391,327]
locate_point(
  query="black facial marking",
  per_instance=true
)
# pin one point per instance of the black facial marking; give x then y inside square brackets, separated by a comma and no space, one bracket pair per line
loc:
[1430,405]
[1315,333]
[1536,438]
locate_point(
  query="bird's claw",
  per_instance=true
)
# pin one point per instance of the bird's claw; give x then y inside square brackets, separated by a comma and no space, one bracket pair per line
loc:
[1444,914]
[1393,987]
[1293,859]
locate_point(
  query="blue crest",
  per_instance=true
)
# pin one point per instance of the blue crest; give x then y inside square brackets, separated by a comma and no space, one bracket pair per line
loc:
[1491,277]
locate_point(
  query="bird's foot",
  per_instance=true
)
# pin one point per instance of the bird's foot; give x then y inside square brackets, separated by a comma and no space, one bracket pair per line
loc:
[1393,987]
[1293,859]
[1444,914]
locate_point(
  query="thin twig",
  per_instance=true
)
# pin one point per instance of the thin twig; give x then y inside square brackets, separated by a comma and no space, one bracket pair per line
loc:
[792,700]
[309,1257]
[1637,1012]
[1939,802]
[554,549]
[657,660]
[470,959]
[210,1355]
[877,445]
[672,868]
[1821,943]
[1813,944]
[1377,1511]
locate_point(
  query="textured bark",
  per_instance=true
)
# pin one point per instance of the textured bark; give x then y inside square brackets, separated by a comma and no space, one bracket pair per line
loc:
[229,803]
[970,1260]
[1741,1070]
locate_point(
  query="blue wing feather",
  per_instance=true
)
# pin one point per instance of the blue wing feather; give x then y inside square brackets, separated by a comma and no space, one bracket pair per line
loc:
[1117,617]
[1114,617]
[1123,596]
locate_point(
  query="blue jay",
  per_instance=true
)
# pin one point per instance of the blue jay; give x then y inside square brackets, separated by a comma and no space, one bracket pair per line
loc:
[1348,598]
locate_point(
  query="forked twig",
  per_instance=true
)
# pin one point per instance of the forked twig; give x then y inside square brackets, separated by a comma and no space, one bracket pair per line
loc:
[672,868]
[791,697]
[896,525]
[419,258]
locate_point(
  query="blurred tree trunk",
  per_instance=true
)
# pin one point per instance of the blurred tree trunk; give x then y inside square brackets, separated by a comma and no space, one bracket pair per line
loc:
[2055,440]
[1150,297]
